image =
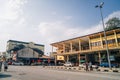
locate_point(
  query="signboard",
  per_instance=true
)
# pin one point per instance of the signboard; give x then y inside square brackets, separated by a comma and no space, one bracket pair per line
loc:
[60,57]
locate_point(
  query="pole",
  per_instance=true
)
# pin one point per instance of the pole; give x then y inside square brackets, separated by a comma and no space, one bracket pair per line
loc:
[108,56]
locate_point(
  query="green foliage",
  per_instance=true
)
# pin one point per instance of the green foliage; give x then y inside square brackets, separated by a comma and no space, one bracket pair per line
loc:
[113,23]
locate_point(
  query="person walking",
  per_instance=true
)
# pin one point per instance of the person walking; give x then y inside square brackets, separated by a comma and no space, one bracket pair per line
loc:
[90,65]
[86,64]
[0,66]
[5,66]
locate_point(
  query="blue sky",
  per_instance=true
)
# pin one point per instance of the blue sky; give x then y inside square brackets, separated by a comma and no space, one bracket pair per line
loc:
[49,21]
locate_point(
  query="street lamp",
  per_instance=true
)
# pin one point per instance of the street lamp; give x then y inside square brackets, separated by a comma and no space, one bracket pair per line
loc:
[108,56]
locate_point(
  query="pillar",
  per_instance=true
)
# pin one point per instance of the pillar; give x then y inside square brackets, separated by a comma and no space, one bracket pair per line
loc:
[79,59]
[86,58]
[71,46]
[101,40]
[80,45]
[99,56]
[116,41]
[63,48]
[67,58]
[55,60]
[89,43]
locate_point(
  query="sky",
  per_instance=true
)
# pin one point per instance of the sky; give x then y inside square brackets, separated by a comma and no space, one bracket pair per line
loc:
[49,21]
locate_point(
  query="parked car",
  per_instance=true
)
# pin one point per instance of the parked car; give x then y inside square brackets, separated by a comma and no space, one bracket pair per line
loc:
[105,64]
[68,64]
[95,66]
[18,63]
[9,62]
[84,66]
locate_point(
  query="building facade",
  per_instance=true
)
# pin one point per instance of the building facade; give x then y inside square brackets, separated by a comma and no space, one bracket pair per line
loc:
[24,50]
[90,48]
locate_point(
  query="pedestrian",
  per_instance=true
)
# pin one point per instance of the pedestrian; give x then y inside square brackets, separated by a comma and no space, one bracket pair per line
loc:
[90,65]
[5,66]
[0,66]
[86,64]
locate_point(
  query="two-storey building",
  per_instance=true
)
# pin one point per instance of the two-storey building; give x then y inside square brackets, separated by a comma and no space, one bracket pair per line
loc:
[90,47]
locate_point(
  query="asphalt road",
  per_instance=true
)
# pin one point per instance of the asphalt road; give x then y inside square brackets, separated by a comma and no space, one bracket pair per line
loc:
[40,73]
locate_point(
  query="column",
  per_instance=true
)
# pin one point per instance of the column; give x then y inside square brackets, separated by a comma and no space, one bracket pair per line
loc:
[63,48]
[79,45]
[71,46]
[99,56]
[116,41]
[67,58]
[86,58]
[89,43]
[101,40]
[55,60]
[79,59]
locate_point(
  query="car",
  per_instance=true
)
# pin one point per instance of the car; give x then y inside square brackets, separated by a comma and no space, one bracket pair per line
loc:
[95,66]
[9,63]
[18,63]
[84,66]
[105,64]
[68,64]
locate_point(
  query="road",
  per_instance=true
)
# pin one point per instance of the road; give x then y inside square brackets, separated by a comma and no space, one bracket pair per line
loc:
[40,73]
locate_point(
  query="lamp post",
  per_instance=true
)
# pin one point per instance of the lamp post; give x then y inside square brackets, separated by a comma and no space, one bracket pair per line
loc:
[108,56]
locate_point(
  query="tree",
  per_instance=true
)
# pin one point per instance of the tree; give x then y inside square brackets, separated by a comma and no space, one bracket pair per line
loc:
[113,23]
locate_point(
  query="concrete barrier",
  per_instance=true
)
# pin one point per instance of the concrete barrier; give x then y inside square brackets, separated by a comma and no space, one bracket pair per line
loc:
[108,69]
[102,69]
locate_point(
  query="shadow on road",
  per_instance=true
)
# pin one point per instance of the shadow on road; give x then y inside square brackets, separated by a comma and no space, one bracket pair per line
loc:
[4,75]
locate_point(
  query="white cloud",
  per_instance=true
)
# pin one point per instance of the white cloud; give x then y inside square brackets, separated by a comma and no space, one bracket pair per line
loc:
[11,9]
[56,31]
[11,17]
[114,14]
[99,26]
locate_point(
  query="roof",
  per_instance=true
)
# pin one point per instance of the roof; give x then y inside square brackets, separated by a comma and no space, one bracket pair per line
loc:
[85,36]
[23,42]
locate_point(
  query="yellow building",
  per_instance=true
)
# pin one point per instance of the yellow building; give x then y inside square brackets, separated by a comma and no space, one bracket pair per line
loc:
[90,47]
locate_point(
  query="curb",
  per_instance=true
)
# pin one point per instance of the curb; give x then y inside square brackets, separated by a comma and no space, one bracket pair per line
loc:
[101,69]
[109,70]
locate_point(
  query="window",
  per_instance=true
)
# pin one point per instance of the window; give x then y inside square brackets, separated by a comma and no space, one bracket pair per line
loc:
[118,40]
[96,44]
[109,41]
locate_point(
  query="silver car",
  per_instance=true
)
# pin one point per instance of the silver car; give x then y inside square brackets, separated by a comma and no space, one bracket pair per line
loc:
[68,64]
[18,63]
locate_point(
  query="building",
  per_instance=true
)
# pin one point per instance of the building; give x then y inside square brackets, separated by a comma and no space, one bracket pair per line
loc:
[3,56]
[90,48]
[24,51]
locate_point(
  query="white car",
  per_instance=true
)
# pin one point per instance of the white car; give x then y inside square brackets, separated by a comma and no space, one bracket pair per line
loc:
[82,65]
[68,64]
[18,63]
[95,66]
